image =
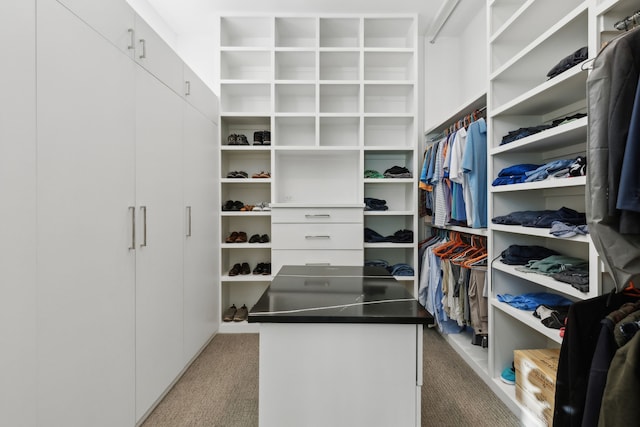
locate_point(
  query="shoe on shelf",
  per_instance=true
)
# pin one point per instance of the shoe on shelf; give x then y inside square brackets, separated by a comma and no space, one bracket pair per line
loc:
[508,375]
[261,174]
[259,268]
[266,269]
[245,269]
[264,239]
[241,140]
[228,205]
[232,237]
[266,137]
[241,314]
[257,207]
[265,206]
[229,313]
[237,206]
[235,270]
[257,137]
[237,174]
[255,239]
[246,208]
[241,237]
[232,139]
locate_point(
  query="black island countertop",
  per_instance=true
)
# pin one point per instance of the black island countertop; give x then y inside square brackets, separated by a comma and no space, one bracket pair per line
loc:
[329,294]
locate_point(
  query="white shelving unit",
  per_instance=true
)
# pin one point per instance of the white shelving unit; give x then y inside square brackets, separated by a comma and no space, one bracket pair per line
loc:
[520,95]
[339,95]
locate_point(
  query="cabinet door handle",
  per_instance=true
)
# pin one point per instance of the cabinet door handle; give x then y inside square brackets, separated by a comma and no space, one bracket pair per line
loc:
[132,209]
[187,88]
[143,55]
[143,210]
[188,221]
[132,45]
[317,216]
[317,263]
[317,237]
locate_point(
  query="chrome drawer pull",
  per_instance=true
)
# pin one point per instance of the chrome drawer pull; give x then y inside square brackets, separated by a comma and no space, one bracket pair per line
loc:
[317,237]
[317,216]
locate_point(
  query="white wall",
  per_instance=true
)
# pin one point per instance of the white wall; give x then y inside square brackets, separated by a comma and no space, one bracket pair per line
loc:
[455,67]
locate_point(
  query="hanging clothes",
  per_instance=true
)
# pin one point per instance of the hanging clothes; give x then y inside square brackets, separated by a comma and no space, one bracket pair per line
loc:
[611,94]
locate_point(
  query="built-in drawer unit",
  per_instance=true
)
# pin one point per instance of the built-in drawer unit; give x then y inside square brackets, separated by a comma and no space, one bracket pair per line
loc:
[316,236]
[310,215]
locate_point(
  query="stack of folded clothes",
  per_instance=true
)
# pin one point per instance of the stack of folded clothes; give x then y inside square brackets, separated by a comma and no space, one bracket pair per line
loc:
[542,219]
[397,172]
[569,61]
[400,236]
[400,269]
[561,229]
[576,276]
[514,174]
[522,254]
[553,264]
[523,132]
[376,263]
[371,204]
[371,173]
[548,169]
[552,316]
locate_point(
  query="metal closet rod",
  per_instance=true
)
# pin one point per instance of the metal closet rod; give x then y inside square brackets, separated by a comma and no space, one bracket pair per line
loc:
[629,22]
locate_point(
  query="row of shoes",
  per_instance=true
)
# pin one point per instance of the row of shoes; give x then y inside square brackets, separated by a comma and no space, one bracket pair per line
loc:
[243,174]
[233,314]
[237,139]
[261,137]
[231,205]
[241,237]
[263,268]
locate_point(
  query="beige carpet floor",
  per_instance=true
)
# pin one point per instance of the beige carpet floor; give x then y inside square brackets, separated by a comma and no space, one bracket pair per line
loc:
[221,389]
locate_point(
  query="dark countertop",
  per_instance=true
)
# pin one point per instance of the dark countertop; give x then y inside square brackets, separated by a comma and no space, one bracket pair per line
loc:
[337,295]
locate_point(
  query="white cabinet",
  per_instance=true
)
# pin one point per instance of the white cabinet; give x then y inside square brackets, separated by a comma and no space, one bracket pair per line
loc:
[160,213]
[108,245]
[18,214]
[200,234]
[114,20]
[155,55]
[85,270]
[338,95]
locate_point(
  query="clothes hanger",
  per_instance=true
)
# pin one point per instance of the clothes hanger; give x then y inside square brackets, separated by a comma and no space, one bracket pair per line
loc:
[631,290]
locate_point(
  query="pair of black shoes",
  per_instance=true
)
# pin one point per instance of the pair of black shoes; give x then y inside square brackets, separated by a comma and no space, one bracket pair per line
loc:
[235,139]
[263,268]
[237,174]
[231,205]
[238,268]
[262,137]
[257,238]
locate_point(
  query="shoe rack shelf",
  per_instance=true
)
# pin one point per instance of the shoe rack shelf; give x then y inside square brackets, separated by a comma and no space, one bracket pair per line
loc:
[339,94]
[520,95]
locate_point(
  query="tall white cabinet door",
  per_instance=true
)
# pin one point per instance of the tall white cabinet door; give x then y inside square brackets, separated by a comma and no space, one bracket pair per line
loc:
[201,235]
[85,272]
[159,244]
[115,20]
[18,214]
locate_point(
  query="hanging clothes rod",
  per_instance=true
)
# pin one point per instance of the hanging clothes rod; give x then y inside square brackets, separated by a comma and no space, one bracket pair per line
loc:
[458,123]
[629,22]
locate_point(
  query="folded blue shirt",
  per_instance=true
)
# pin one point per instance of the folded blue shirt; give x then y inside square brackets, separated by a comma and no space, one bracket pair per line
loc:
[533,300]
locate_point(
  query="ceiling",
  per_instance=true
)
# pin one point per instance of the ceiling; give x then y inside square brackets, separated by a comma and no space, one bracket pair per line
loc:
[185,16]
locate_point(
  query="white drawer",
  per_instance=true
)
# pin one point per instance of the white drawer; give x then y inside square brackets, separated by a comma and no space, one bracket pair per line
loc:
[317,236]
[316,214]
[280,257]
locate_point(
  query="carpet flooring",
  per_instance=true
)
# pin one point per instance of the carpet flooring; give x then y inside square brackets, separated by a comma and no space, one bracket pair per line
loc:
[220,389]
